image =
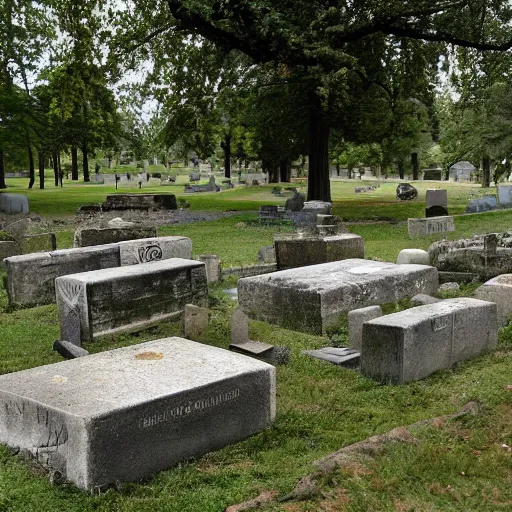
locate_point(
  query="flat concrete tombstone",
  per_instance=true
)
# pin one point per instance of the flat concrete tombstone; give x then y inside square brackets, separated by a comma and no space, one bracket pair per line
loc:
[498,290]
[124,414]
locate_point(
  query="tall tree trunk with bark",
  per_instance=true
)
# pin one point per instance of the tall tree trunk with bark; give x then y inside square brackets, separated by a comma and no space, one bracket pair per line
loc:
[401,169]
[40,165]
[74,163]
[486,172]
[319,186]
[226,146]
[85,154]
[31,167]
[269,167]
[55,162]
[415,167]
[285,171]
[2,170]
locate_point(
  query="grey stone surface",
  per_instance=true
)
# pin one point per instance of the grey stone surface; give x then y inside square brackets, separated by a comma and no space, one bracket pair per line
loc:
[140,202]
[195,322]
[212,262]
[38,243]
[30,277]
[297,251]
[430,226]
[311,298]
[498,290]
[69,350]
[319,207]
[295,203]
[415,256]
[144,250]
[417,342]
[86,237]
[505,196]
[339,356]
[267,254]
[356,319]
[19,228]
[92,304]
[13,203]
[125,414]
[483,204]
[118,222]
[239,327]
[449,287]
[436,197]
[423,299]
[8,249]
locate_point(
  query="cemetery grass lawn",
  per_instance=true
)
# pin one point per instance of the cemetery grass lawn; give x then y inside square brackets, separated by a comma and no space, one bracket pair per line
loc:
[458,465]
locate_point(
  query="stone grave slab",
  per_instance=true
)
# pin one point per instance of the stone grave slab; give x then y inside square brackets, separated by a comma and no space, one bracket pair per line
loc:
[8,249]
[340,356]
[483,204]
[356,319]
[140,201]
[213,267]
[144,250]
[430,226]
[413,344]
[125,414]
[92,304]
[311,298]
[418,256]
[13,203]
[86,237]
[498,290]
[299,251]
[505,196]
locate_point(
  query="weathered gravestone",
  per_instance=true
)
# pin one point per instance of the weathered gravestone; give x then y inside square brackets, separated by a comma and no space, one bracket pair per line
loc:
[297,251]
[417,342]
[267,254]
[125,414]
[505,196]
[92,304]
[498,290]
[436,203]
[311,298]
[415,256]
[8,248]
[195,322]
[213,268]
[483,204]
[268,213]
[13,203]
[318,207]
[30,278]
[356,319]
[85,237]
[38,243]
[295,203]
[140,202]
[430,226]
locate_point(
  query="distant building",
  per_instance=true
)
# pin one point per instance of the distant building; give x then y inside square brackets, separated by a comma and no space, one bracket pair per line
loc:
[462,171]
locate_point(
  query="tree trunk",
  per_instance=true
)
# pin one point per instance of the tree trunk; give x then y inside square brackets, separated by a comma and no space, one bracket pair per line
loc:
[31,168]
[74,163]
[85,155]
[285,171]
[486,172]
[55,161]
[350,170]
[415,167]
[226,146]
[40,165]
[401,170]
[319,186]
[269,167]
[338,169]
[2,170]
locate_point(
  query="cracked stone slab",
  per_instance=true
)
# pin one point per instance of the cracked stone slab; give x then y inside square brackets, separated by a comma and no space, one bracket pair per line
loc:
[339,356]
[124,414]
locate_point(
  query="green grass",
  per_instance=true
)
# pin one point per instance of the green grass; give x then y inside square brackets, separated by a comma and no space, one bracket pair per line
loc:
[320,408]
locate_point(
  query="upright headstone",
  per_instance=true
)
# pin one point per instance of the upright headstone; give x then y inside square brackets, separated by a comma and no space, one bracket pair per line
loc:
[356,319]
[430,226]
[87,237]
[124,414]
[195,322]
[505,196]
[38,243]
[213,270]
[13,203]
[415,256]
[436,203]
[498,290]
[417,342]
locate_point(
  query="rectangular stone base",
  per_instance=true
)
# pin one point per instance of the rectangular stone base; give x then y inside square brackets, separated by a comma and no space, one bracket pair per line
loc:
[311,298]
[124,414]
[417,342]
[430,226]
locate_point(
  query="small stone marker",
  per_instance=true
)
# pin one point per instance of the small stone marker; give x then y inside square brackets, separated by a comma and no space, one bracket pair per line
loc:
[125,414]
[213,271]
[340,356]
[239,327]
[299,251]
[38,243]
[430,226]
[311,298]
[417,342]
[69,350]
[414,256]
[92,304]
[484,204]
[87,237]
[140,201]
[356,319]
[505,196]
[267,254]
[13,203]
[449,287]
[8,249]
[436,203]
[118,222]
[498,290]
[195,322]
[318,207]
